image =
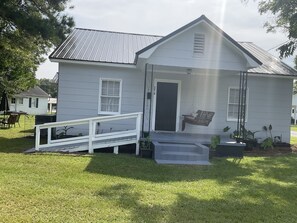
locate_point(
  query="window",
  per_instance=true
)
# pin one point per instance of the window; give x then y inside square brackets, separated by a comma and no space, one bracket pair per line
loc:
[110,96]
[233,99]
[21,101]
[12,100]
[33,102]
[199,44]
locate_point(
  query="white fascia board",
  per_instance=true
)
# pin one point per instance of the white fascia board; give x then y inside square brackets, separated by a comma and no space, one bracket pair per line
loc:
[250,62]
[94,63]
[251,74]
[148,53]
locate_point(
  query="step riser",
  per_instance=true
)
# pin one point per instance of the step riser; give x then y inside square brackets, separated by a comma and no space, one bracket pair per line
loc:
[181,157]
[205,163]
[178,148]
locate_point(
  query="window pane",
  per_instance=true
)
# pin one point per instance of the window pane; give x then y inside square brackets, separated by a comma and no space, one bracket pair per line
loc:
[104,88]
[233,112]
[110,104]
[234,96]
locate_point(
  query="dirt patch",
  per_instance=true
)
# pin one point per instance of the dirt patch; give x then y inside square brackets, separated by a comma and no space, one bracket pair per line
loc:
[276,151]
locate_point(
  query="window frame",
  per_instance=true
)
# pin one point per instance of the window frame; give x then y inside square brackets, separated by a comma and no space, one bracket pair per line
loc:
[20,101]
[228,103]
[100,95]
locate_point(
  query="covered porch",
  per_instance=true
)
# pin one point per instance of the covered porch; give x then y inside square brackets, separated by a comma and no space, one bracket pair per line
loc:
[172,94]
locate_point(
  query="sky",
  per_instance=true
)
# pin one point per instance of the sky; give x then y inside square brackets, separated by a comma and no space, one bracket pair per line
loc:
[160,17]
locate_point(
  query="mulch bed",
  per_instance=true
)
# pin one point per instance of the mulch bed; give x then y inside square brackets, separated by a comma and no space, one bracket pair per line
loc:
[276,151]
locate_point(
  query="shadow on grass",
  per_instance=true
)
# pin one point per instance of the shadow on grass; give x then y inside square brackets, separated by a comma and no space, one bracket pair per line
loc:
[282,168]
[142,169]
[247,204]
[16,145]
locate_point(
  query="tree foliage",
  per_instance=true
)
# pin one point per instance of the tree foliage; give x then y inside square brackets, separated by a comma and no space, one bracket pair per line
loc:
[49,86]
[285,18]
[28,29]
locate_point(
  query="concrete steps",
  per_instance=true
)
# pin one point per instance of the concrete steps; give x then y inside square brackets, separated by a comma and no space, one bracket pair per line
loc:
[181,153]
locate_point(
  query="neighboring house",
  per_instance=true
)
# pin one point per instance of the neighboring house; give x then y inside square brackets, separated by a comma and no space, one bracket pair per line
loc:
[196,67]
[294,108]
[52,105]
[33,101]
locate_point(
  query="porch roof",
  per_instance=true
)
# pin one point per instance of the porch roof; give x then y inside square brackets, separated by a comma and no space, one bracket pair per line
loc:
[270,64]
[33,92]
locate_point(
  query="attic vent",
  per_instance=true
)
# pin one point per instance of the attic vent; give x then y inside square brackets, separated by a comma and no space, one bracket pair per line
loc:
[199,44]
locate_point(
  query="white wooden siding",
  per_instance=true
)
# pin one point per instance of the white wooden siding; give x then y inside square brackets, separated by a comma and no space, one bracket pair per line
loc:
[42,106]
[269,101]
[218,52]
[79,92]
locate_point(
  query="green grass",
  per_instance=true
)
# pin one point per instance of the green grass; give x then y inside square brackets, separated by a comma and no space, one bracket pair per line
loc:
[294,128]
[18,138]
[293,139]
[124,188]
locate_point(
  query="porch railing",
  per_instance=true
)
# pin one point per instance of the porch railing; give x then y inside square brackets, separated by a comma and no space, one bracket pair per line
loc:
[92,137]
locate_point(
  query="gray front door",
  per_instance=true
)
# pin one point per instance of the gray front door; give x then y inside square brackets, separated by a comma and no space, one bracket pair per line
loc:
[166,106]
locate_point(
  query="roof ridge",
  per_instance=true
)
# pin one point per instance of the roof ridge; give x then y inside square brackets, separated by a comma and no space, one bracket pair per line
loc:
[108,31]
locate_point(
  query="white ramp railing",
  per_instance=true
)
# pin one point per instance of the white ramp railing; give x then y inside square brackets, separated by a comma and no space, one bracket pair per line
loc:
[110,139]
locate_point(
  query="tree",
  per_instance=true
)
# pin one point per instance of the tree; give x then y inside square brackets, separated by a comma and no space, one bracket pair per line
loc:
[49,86]
[28,29]
[285,18]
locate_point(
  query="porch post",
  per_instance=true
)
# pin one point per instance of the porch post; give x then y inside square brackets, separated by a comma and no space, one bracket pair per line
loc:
[242,103]
[37,138]
[91,133]
[144,99]
[152,93]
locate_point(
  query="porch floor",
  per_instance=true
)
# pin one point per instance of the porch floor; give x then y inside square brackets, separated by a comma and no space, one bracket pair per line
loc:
[204,139]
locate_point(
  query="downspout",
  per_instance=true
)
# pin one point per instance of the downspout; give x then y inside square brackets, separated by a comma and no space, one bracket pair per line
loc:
[143,105]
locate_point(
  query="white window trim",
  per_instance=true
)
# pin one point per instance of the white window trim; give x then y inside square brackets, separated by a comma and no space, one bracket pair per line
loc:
[247,105]
[120,101]
[13,103]
[19,101]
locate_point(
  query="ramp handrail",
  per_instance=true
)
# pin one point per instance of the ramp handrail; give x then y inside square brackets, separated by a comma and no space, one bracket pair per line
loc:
[92,136]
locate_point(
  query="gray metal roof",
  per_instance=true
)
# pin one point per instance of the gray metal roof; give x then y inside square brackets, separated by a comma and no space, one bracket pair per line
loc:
[121,48]
[33,92]
[270,64]
[102,46]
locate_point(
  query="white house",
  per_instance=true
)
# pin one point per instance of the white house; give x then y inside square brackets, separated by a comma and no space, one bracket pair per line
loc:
[52,105]
[197,67]
[294,108]
[34,101]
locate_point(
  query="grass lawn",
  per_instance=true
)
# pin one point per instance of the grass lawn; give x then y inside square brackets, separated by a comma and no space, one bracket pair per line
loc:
[293,139]
[124,188]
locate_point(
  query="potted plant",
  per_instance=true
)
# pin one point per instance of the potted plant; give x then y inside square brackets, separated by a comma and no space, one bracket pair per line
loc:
[146,150]
[246,136]
[214,142]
